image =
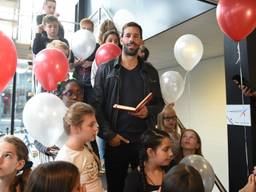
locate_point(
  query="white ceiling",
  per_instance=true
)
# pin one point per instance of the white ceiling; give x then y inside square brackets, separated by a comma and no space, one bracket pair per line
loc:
[204,27]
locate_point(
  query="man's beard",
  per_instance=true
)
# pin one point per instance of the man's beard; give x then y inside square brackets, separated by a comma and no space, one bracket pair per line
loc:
[129,52]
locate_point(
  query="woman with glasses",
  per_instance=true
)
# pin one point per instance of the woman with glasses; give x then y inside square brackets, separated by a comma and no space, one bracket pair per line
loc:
[167,121]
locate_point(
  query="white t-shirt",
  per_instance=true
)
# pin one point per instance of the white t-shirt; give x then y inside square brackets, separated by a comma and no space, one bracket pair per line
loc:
[93,72]
[87,165]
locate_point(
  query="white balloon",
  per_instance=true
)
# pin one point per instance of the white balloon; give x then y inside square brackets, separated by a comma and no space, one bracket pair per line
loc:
[172,86]
[122,17]
[83,44]
[62,139]
[203,167]
[188,51]
[43,117]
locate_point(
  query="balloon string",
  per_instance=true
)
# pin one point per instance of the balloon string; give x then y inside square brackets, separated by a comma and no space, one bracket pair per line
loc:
[238,53]
[242,96]
[187,78]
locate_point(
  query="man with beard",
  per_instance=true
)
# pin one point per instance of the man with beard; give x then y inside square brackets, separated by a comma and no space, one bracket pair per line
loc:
[125,80]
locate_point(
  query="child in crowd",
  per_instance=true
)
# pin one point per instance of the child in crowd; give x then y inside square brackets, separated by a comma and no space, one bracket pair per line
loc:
[81,127]
[70,92]
[182,178]
[144,53]
[155,153]
[167,121]
[190,144]
[49,9]
[62,46]
[82,69]
[108,37]
[107,25]
[51,26]
[54,176]
[14,166]
[108,34]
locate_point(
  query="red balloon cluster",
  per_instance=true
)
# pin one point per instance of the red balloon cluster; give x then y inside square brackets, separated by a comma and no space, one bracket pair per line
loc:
[50,67]
[236,18]
[107,52]
[8,60]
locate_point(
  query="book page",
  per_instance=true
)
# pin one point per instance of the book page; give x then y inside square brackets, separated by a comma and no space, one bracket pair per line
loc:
[144,101]
[138,107]
[123,107]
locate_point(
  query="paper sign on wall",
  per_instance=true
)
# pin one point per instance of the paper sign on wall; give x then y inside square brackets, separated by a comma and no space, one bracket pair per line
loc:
[239,115]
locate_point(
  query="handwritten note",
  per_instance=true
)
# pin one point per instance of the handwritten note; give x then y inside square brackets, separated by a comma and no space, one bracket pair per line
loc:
[239,115]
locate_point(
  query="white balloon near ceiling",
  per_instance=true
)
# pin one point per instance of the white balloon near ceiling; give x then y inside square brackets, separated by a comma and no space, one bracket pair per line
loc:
[188,51]
[122,17]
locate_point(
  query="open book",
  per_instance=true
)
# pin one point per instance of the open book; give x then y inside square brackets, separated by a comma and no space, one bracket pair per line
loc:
[138,107]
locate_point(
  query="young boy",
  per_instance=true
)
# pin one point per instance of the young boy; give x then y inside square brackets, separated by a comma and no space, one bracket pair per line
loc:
[62,46]
[82,70]
[51,27]
[49,9]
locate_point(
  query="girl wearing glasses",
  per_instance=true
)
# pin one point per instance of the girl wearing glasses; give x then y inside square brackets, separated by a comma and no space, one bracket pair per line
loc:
[167,121]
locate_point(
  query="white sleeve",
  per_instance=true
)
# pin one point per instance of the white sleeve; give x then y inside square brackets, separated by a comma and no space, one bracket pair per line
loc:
[93,72]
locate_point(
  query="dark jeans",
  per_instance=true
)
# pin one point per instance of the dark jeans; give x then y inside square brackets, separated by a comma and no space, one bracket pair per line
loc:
[117,160]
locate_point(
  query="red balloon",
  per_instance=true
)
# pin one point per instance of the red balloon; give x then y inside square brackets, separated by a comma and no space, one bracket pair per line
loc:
[107,52]
[8,60]
[50,67]
[236,18]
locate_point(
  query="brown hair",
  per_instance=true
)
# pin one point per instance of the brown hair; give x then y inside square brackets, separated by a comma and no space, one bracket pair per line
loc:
[53,176]
[198,151]
[182,178]
[86,21]
[74,115]
[46,1]
[22,154]
[132,24]
[111,32]
[107,25]
[50,19]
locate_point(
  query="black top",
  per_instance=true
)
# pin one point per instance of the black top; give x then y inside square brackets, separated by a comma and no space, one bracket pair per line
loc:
[131,93]
[107,90]
[134,183]
[41,41]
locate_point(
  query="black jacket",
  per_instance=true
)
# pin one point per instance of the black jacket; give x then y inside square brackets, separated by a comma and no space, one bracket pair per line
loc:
[41,41]
[106,94]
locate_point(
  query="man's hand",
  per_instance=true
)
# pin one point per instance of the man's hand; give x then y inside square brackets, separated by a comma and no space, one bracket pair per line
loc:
[142,113]
[116,141]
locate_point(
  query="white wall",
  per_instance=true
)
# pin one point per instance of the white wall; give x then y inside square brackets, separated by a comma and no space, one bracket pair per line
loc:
[203,109]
